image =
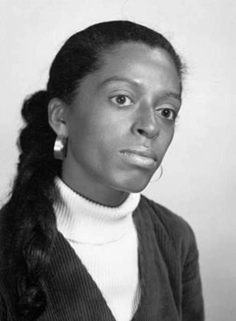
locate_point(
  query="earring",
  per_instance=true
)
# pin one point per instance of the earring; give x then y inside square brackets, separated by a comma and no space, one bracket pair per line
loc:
[155,177]
[60,147]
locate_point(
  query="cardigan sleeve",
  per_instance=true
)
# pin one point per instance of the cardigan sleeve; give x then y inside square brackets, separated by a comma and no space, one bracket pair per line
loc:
[3,312]
[192,300]
[178,246]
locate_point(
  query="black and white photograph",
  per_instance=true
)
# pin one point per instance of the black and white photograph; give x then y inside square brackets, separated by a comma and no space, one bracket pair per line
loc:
[118,154]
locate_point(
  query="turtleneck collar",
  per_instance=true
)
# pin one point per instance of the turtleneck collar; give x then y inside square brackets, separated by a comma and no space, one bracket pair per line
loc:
[83,221]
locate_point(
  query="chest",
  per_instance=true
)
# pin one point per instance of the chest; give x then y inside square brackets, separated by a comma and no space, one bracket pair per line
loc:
[75,296]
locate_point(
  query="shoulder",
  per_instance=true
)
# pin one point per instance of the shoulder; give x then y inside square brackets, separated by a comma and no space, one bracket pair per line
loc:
[170,235]
[169,220]
[168,226]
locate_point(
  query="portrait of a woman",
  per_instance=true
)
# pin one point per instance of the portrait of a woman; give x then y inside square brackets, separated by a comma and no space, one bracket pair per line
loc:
[79,241]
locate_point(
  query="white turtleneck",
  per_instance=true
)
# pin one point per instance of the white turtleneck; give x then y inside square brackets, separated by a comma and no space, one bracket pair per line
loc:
[105,240]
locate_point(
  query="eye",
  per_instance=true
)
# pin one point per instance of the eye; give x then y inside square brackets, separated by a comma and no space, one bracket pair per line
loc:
[168,113]
[122,100]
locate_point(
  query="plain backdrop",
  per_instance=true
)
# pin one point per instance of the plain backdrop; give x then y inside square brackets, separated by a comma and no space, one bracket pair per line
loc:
[199,180]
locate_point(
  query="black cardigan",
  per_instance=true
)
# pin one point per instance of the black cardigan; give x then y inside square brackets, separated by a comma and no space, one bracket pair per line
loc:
[168,272]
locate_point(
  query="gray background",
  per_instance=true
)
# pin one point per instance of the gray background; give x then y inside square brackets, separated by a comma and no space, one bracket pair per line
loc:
[199,180]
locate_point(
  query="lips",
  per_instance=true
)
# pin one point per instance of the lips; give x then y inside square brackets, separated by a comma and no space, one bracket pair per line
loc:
[141,157]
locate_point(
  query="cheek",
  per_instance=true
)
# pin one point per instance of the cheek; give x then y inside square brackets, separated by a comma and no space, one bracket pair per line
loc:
[104,129]
[170,136]
[164,140]
[93,137]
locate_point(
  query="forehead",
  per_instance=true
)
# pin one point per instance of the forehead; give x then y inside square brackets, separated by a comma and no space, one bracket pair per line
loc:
[152,69]
[124,49]
[137,60]
[122,54]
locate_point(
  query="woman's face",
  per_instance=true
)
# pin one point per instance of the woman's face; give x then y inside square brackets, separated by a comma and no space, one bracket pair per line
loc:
[122,121]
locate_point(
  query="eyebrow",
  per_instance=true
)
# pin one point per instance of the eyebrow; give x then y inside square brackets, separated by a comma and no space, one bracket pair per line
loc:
[171,94]
[117,78]
[167,94]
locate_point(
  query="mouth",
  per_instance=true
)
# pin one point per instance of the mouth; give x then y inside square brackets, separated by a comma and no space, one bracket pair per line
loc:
[140,157]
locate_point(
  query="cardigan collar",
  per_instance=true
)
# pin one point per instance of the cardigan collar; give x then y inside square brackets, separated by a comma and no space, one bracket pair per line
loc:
[74,295]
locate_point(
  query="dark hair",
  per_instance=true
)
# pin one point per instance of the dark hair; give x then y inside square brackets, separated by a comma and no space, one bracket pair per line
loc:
[28,224]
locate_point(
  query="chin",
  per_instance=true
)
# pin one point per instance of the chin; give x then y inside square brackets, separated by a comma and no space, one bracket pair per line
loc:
[133,185]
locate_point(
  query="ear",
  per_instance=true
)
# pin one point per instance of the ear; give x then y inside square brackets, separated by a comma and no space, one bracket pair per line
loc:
[56,116]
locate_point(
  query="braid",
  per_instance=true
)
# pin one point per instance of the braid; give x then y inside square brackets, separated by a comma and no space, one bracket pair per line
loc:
[29,213]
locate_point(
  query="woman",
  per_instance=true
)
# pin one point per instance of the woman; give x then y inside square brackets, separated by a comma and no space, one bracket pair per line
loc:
[78,242]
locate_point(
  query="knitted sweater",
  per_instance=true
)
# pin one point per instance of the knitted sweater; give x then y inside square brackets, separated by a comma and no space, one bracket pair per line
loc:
[168,274]
[105,239]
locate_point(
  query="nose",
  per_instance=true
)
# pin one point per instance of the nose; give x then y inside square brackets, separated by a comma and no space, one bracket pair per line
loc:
[146,123]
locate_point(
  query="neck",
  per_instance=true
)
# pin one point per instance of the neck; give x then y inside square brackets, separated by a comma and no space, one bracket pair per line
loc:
[87,222]
[97,194]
